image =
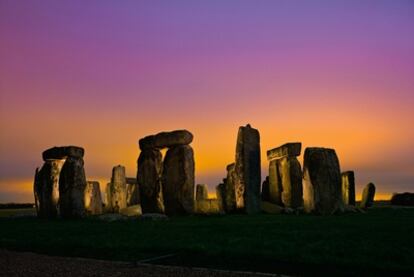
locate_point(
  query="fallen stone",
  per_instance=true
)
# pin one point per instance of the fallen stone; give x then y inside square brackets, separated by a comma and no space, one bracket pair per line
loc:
[247,168]
[59,153]
[72,185]
[134,210]
[286,150]
[201,192]
[166,139]
[290,173]
[368,195]
[270,208]
[322,188]
[178,180]
[149,180]
[348,188]
[93,198]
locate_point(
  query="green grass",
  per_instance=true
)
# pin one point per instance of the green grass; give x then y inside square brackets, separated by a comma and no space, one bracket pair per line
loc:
[376,243]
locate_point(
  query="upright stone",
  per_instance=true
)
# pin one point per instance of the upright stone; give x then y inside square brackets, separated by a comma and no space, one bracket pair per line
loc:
[322,189]
[348,188]
[230,196]
[178,180]
[291,178]
[220,197]
[149,181]
[201,192]
[275,184]
[72,184]
[368,195]
[46,188]
[265,190]
[133,197]
[93,198]
[118,189]
[248,167]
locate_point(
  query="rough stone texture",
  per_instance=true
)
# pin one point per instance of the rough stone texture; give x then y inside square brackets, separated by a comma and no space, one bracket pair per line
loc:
[93,198]
[270,208]
[291,178]
[368,195]
[201,192]
[348,188]
[72,184]
[166,139]
[117,191]
[286,150]
[59,153]
[220,197]
[229,190]
[132,191]
[248,168]
[275,183]
[178,180]
[207,206]
[149,180]
[265,190]
[46,188]
[322,190]
[108,201]
[403,199]
[134,210]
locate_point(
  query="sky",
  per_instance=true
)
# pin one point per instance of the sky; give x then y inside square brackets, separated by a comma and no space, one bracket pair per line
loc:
[103,74]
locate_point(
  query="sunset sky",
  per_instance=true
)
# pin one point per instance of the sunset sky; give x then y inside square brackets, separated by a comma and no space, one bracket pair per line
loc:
[103,74]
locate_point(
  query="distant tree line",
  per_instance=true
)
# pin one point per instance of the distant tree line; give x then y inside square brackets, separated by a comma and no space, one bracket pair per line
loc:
[16,205]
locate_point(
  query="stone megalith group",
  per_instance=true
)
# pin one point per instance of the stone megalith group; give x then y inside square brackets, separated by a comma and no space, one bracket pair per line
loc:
[60,184]
[167,185]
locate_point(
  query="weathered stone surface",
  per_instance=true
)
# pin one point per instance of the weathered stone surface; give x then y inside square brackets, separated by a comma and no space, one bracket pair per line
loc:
[59,153]
[201,192]
[207,206]
[46,188]
[286,150]
[348,188]
[368,195]
[291,179]
[229,190]
[108,207]
[275,183]
[178,180]
[134,210]
[265,190]
[133,196]
[149,181]
[117,189]
[322,190]
[166,139]
[72,184]
[248,167]
[270,208]
[93,198]
[220,197]
[403,199]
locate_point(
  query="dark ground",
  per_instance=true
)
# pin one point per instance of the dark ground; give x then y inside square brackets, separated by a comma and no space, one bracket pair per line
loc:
[379,242]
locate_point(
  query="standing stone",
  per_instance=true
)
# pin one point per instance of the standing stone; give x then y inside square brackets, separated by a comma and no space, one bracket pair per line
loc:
[93,198]
[46,188]
[149,181]
[322,189]
[72,184]
[201,192]
[275,184]
[133,197]
[348,188]
[291,178]
[108,207]
[230,195]
[118,189]
[368,195]
[178,180]
[220,197]
[265,190]
[247,168]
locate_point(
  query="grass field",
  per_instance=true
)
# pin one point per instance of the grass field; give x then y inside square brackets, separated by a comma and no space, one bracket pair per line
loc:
[379,242]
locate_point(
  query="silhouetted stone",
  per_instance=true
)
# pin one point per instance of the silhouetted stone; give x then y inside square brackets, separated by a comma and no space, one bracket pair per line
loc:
[59,153]
[207,206]
[291,179]
[403,199]
[93,198]
[270,208]
[178,180]
[368,195]
[286,150]
[348,188]
[201,192]
[166,139]
[229,190]
[220,196]
[149,181]
[133,196]
[275,183]
[265,190]
[248,168]
[46,188]
[322,189]
[72,184]
[117,189]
